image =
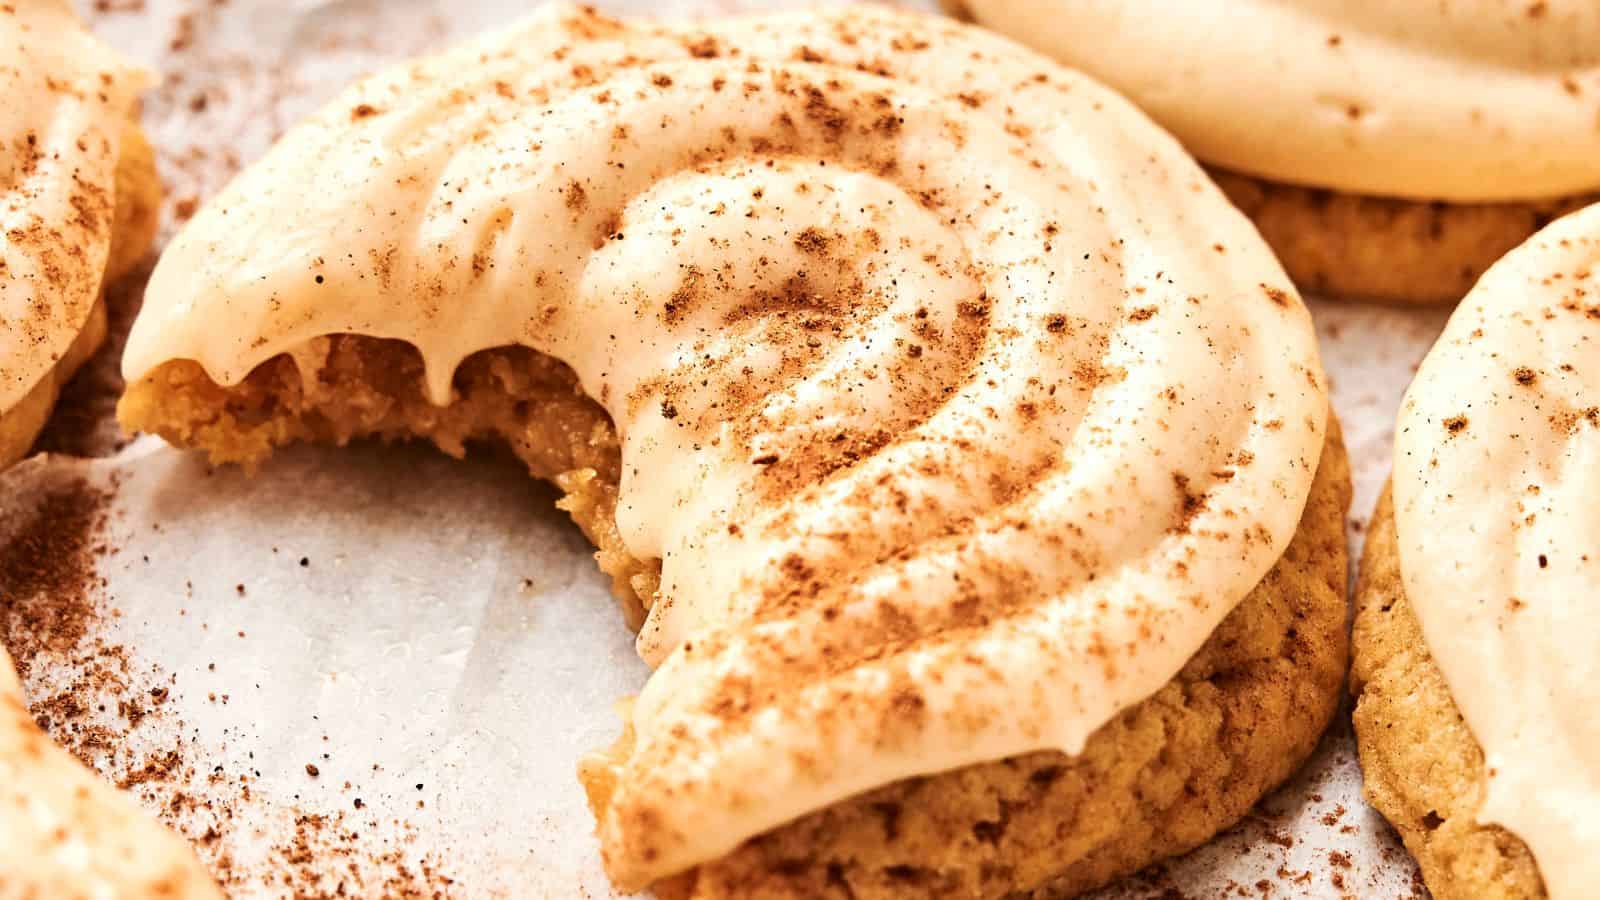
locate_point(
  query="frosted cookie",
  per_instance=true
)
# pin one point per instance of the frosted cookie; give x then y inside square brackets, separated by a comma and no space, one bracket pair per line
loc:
[963,457]
[78,200]
[1476,637]
[1386,151]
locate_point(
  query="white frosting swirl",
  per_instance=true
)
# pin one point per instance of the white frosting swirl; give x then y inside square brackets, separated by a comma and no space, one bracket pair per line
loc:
[1467,100]
[957,403]
[1497,508]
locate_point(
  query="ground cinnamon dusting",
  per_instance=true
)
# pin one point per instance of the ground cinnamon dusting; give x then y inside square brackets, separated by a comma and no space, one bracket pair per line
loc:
[84,422]
[47,573]
[95,698]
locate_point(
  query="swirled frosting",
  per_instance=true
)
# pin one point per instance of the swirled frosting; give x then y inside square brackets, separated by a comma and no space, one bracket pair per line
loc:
[957,403]
[1497,488]
[1466,100]
[66,97]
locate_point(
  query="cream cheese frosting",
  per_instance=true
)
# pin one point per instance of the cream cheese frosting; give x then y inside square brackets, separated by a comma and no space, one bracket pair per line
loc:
[1497,488]
[66,97]
[958,405]
[1470,100]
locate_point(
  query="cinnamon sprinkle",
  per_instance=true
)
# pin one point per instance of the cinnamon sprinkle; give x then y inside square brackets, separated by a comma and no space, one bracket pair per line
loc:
[47,573]
[117,717]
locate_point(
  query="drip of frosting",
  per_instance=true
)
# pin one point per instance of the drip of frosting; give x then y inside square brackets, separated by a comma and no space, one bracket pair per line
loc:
[1467,100]
[957,403]
[1497,507]
[66,99]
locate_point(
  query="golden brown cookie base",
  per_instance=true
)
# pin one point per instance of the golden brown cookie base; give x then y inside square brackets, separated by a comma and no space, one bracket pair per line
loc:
[1160,780]
[138,201]
[1386,249]
[1421,765]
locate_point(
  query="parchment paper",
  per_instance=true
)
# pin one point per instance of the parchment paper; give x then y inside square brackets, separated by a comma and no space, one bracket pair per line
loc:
[373,670]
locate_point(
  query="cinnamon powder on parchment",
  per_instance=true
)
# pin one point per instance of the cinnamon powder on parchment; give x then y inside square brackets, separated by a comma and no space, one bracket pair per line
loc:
[51,558]
[112,712]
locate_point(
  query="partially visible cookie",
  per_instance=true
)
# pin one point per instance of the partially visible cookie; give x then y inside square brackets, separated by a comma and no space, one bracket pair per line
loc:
[1421,765]
[1387,152]
[1388,249]
[133,229]
[78,202]
[1476,636]
[1157,781]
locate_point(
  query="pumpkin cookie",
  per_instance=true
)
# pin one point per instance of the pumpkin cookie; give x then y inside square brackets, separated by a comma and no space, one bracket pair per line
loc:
[1386,151]
[1475,635]
[963,457]
[1420,764]
[80,212]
